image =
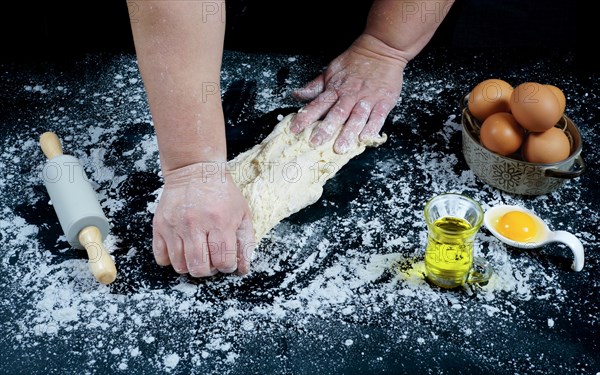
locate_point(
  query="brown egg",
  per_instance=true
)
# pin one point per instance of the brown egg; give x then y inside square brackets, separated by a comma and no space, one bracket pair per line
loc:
[562,100]
[535,106]
[546,147]
[489,97]
[501,133]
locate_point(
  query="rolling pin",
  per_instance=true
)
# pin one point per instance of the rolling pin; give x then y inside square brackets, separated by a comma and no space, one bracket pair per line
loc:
[77,207]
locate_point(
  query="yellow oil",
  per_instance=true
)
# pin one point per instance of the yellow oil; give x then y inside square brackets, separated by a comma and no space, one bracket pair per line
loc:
[449,253]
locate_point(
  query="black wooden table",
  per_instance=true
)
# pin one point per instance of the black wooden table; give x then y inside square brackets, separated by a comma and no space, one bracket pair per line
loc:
[336,288]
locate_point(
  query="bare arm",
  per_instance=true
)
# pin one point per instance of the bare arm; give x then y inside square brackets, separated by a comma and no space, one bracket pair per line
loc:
[202,224]
[360,87]
[405,26]
[179,45]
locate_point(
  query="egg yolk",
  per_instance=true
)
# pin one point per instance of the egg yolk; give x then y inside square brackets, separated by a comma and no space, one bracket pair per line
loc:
[517,226]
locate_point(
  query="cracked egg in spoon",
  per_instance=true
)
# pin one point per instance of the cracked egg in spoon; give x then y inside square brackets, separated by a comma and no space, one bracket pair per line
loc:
[519,227]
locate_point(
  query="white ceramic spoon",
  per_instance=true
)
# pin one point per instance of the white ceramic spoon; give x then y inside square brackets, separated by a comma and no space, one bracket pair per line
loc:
[543,236]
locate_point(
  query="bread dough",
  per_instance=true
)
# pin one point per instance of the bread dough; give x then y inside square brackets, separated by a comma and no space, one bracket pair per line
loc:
[285,173]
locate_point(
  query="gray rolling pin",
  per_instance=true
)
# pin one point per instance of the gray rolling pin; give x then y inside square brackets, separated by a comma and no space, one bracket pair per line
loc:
[77,207]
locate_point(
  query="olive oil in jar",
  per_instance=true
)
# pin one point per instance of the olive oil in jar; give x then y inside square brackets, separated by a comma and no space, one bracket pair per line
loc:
[449,253]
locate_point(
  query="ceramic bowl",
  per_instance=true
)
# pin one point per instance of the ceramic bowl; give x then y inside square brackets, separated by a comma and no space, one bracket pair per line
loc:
[515,175]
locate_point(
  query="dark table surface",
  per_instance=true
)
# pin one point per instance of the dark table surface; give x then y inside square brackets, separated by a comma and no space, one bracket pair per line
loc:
[335,288]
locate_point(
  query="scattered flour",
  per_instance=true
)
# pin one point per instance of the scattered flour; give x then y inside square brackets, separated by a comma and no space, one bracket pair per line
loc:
[171,361]
[359,265]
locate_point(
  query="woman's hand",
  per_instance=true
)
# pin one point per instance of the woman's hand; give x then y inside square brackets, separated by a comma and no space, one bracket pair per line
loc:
[357,91]
[202,224]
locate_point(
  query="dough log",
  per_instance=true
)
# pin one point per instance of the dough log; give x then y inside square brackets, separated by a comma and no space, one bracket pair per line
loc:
[285,173]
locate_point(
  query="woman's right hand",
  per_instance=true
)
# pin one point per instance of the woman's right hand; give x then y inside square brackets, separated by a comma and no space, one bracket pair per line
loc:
[202,224]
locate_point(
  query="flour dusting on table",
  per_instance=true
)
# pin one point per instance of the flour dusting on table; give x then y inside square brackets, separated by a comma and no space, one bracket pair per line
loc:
[352,259]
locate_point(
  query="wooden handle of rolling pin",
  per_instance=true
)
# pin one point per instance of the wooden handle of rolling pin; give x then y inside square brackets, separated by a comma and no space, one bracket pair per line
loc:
[102,266]
[51,145]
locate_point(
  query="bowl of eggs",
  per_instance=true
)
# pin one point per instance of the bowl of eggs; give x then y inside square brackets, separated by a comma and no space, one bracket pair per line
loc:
[518,139]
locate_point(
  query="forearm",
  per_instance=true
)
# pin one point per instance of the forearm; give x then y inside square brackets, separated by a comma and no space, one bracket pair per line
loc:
[405,26]
[179,45]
